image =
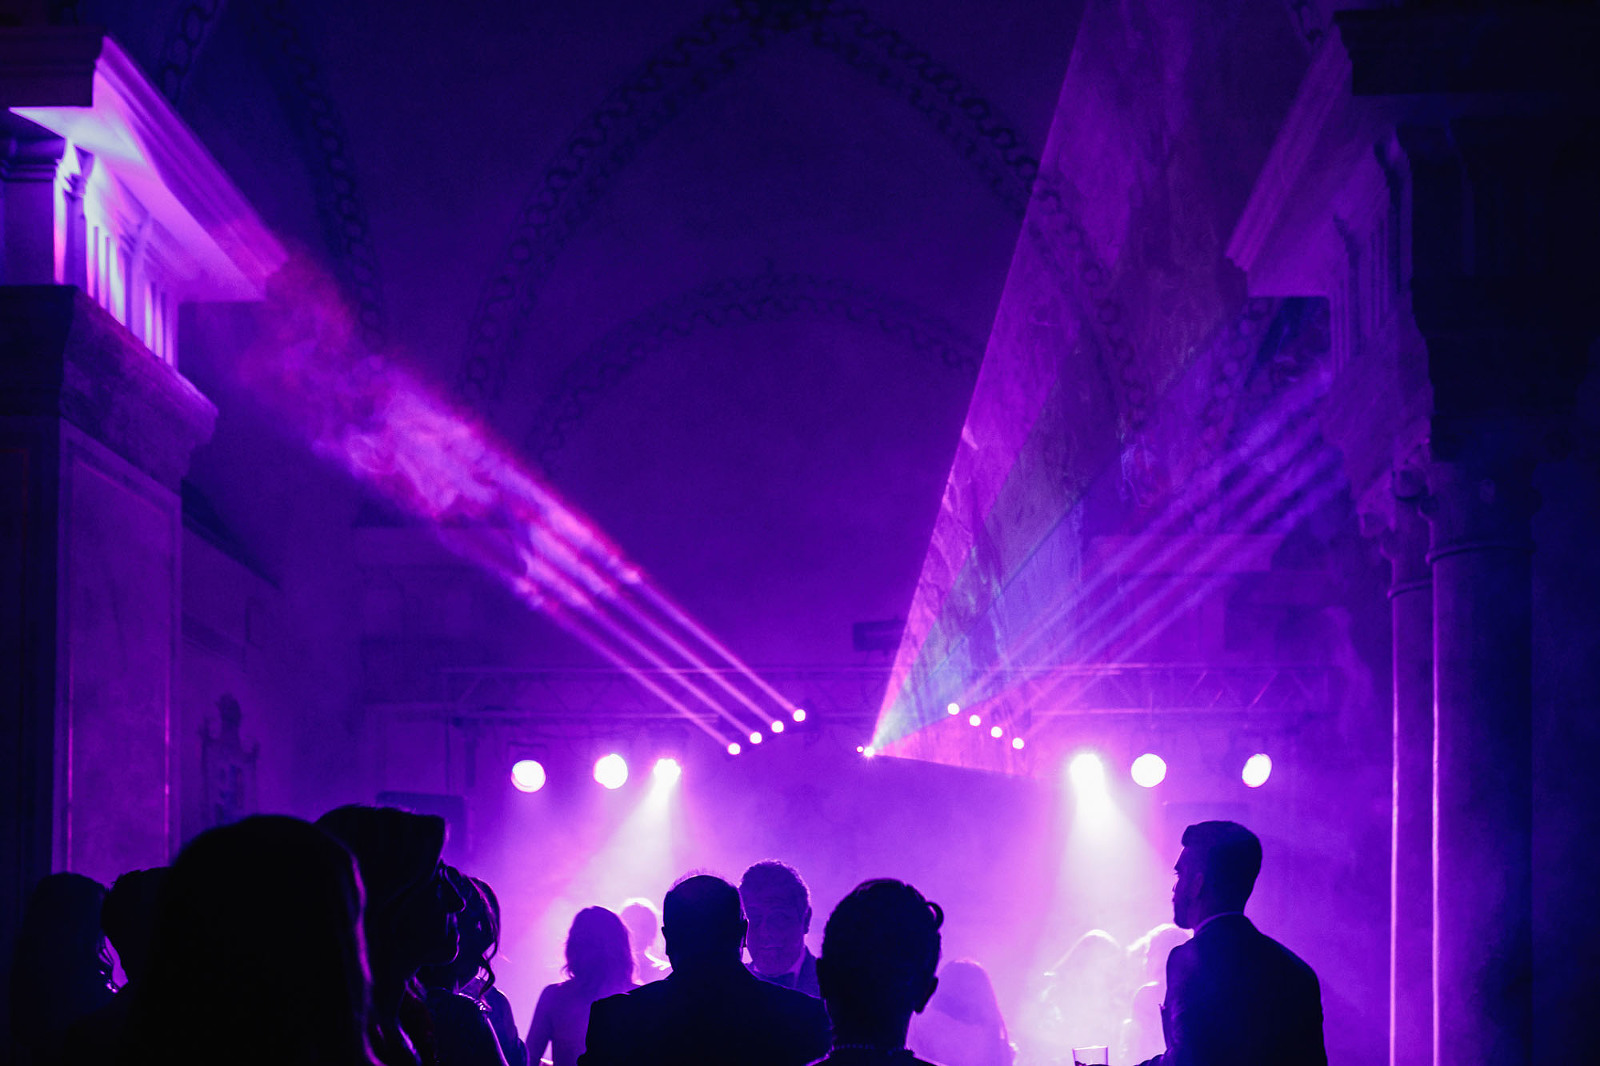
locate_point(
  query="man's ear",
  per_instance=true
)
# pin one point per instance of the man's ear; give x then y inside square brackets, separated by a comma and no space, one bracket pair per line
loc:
[805,922]
[744,932]
[922,1000]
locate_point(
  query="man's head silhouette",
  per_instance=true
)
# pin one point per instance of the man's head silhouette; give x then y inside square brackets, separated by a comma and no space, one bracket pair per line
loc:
[702,923]
[879,953]
[1216,871]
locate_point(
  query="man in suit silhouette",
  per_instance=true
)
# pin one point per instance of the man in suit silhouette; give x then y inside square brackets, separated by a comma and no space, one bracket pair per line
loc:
[777,905]
[1234,995]
[710,1010]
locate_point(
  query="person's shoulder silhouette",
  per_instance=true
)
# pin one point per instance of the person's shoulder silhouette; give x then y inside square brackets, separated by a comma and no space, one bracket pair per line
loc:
[710,1010]
[60,971]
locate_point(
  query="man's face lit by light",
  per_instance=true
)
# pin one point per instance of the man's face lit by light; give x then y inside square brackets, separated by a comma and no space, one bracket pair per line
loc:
[778,926]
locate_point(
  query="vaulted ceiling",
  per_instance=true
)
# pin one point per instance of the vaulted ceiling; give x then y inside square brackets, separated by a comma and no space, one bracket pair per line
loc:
[723,270]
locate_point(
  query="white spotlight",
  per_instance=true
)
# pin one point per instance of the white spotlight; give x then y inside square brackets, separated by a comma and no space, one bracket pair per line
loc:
[1018,743]
[1088,772]
[799,714]
[528,775]
[667,771]
[1149,769]
[996,732]
[1257,768]
[734,748]
[953,708]
[756,737]
[974,719]
[611,771]
[777,727]
[869,751]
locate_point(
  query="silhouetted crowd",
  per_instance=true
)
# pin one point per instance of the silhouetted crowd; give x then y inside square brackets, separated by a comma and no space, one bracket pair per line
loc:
[348,941]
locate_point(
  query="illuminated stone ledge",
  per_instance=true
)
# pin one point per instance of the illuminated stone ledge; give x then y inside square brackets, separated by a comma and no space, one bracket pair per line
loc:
[106,189]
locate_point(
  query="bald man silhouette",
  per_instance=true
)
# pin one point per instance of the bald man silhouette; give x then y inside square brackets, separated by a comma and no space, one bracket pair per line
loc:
[710,1011]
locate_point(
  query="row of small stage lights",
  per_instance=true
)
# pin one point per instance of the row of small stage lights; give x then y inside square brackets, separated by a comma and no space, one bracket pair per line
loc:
[1147,771]
[611,771]
[777,726]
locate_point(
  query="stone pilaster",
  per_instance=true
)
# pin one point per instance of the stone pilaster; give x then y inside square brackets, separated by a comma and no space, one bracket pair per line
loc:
[1405,545]
[95,436]
[28,163]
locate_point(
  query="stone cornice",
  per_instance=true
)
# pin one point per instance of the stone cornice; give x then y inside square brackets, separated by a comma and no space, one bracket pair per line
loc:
[67,358]
[109,108]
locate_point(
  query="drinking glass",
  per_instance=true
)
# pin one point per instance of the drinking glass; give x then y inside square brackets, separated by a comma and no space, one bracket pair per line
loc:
[1098,1055]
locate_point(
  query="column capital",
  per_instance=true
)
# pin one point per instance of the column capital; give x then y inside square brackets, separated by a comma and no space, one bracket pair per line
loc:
[34,156]
[1480,487]
[1405,542]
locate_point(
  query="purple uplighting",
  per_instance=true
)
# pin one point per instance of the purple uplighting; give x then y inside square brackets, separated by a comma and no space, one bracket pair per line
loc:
[1123,472]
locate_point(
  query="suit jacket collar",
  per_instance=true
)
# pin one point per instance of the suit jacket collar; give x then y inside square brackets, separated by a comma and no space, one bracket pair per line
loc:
[1226,920]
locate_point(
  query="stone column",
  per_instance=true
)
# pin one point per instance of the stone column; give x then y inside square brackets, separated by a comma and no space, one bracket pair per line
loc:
[1497,119]
[1405,545]
[1480,508]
